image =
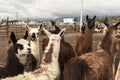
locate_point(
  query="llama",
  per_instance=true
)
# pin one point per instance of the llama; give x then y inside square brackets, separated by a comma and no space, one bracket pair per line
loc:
[94,65]
[66,51]
[49,68]
[17,55]
[57,29]
[34,42]
[84,42]
[113,50]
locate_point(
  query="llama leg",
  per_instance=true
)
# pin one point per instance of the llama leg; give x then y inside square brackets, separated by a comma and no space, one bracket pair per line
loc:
[117,76]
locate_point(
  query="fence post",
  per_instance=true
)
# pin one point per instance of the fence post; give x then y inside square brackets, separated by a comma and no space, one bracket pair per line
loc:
[7,29]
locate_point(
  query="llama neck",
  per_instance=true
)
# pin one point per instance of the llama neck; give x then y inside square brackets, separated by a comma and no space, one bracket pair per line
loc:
[51,57]
[35,49]
[50,65]
[56,50]
[88,34]
[34,46]
[88,38]
[107,40]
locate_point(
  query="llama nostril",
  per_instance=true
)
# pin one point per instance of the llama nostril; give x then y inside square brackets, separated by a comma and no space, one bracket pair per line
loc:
[118,36]
[29,49]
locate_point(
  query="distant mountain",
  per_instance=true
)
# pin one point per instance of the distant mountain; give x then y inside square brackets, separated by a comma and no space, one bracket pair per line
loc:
[62,17]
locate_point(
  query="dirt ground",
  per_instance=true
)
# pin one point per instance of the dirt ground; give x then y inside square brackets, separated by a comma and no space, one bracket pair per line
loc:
[3,49]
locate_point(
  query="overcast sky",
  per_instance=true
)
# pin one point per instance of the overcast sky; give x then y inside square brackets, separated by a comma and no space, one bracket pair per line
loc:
[57,8]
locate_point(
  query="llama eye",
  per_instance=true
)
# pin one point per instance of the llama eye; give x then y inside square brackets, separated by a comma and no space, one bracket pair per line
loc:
[20,46]
[30,64]
[37,33]
[29,44]
[52,39]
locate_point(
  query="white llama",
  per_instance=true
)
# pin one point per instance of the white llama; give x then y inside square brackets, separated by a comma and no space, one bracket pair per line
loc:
[49,68]
[34,42]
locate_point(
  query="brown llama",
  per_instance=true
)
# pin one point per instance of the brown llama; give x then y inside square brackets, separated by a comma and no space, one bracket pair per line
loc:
[96,65]
[66,50]
[114,54]
[84,42]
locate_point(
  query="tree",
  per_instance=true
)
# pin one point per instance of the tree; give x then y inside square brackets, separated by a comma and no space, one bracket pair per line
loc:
[106,19]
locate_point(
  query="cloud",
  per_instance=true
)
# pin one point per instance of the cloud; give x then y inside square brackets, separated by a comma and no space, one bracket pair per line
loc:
[103,7]
[57,8]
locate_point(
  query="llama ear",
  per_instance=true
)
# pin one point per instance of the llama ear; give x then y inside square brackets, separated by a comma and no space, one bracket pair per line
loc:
[40,27]
[116,25]
[87,17]
[61,33]
[13,38]
[26,35]
[47,32]
[53,23]
[27,27]
[106,24]
[94,17]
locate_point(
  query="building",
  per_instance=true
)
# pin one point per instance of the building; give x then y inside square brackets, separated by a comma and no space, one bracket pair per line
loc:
[69,21]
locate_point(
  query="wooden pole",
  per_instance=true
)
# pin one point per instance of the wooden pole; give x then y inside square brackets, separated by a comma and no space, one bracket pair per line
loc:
[27,21]
[7,29]
[17,19]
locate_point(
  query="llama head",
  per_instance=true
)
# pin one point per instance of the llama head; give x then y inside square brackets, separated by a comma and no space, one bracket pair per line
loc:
[54,38]
[33,32]
[21,46]
[90,22]
[53,45]
[117,31]
[115,37]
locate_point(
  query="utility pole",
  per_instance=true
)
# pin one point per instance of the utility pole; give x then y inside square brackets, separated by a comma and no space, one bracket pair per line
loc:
[81,16]
[16,16]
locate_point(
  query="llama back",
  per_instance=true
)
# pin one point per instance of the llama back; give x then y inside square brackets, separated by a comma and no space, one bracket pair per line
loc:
[86,67]
[73,71]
